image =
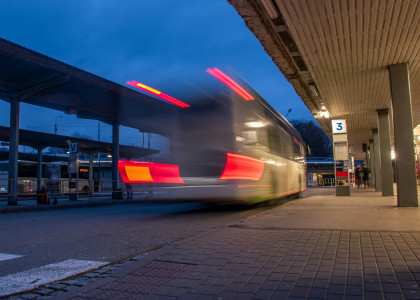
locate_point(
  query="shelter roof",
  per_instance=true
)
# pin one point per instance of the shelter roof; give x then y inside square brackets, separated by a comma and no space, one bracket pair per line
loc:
[40,80]
[40,140]
[336,54]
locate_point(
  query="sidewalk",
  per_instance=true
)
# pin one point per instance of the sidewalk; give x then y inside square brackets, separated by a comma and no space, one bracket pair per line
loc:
[320,247]
[30,204]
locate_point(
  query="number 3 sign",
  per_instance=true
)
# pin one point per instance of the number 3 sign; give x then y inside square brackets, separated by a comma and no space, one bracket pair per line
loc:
[339,126]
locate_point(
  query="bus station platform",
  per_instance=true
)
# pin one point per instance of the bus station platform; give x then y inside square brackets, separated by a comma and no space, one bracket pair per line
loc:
[98,199]
[319,246]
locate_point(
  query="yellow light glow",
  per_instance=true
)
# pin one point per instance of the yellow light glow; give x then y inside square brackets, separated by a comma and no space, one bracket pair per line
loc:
[152,90]
[138,173]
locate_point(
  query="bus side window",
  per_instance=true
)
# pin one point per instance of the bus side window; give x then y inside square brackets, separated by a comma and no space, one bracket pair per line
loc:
[262,137]
[274,139]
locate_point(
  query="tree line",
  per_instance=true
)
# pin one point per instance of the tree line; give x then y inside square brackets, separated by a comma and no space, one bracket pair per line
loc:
[315,137]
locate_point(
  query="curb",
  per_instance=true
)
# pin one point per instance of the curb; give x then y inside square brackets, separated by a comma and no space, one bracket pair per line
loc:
[40,207]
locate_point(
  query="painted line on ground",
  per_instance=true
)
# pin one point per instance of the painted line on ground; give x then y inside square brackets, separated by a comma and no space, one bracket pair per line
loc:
[28,280]
[7,256]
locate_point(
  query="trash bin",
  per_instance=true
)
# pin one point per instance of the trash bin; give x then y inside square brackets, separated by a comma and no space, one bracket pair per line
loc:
[118,194]
[42,197]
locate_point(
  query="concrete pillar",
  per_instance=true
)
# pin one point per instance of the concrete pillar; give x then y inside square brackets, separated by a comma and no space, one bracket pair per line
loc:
[13,151]
[39,169]
[403,136]
[372,164]
[378,177]
[90,173]
[385,152]
[115,156]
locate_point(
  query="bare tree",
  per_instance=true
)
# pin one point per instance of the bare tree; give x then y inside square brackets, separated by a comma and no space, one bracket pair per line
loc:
[314,137]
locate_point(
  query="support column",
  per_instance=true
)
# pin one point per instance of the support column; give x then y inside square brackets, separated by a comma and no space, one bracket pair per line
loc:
[13,151]
[378,177]
[115,156]
[39,170]
[90,173]
[403,136]
[385,152]
[372,164]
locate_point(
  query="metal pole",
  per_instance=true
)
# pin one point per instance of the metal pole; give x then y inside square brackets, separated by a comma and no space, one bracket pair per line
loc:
[115,155]
[39,170]
[13,151]
[90,176]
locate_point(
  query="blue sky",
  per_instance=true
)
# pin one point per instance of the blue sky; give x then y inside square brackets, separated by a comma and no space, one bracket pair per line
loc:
[152,42]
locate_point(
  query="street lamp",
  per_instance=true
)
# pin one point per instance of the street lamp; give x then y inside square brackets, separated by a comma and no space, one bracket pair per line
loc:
[288,112]
[55,127]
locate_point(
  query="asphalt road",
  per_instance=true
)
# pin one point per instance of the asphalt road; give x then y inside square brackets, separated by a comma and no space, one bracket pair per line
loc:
[106,234]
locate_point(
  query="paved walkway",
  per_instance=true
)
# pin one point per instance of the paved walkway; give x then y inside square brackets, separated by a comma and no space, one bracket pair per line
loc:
[98,199]
[319,247]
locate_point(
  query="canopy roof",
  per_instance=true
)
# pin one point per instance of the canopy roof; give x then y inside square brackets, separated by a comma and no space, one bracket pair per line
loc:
[40,140]
[40,80]
[336,54]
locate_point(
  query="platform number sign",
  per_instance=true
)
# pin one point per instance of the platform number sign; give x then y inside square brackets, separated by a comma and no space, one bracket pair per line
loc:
[74,147]
[339,126]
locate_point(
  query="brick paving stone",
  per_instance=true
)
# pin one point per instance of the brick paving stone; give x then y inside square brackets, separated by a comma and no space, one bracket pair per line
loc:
[392,296]
[299,292]
[391,288]
[291,277]
[29,296]
[243,278]
[257,279]
[235,286]
[373,295]
[262,295]
[373,287]
[269,285]
[338,280]
[242,296]
[280,295]
[317,293]
[303,282]
[276,276]
[215,289]
[178,292]
[351,280]
[336,289]
[250,288]
[409,284]
[320,283]
[151,297]
[411,294]
[250,271]
[334,297]
[285,286]
[354,290]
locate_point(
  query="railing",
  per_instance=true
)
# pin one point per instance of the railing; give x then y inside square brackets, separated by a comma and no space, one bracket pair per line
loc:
[63,188]
[331,182]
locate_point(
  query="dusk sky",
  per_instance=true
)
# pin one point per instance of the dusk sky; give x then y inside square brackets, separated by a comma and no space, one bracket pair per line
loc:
[152,42]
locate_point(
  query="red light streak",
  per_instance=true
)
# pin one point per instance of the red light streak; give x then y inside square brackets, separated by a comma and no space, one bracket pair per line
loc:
[139,172]
[230,83]
[157,93]
[242,167]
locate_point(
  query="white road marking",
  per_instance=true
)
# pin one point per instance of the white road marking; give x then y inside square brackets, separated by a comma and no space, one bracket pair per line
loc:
[7,256]
[28,280]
